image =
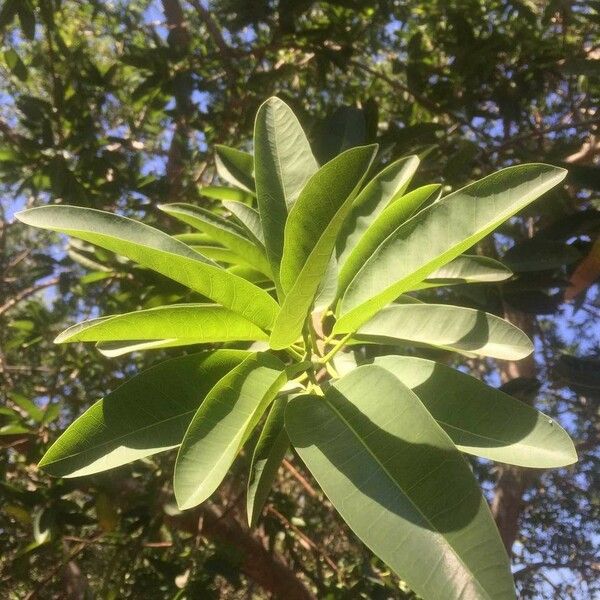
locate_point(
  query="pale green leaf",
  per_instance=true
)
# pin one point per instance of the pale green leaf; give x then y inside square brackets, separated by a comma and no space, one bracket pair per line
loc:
[225,193]
[439,233]
[399,482]
[310,233]
[199,323]
[467,269]
[160,252]
[372,199]
[114,349]
[249,218]
[235,167]
[147,414]
[284,163]
[482,420]
[222,425]
[451,327]
[386,222]
[222,231]
[268,454]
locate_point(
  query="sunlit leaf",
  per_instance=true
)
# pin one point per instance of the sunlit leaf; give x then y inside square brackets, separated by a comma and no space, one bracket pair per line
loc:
[222,425]
[439,233]
[147,414]
[310,234]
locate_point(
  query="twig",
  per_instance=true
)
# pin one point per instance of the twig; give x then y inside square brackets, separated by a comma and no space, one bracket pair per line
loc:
[300,478]
[303,536]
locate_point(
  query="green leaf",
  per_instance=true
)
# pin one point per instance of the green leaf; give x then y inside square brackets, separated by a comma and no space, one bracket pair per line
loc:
[197,323]
[450,327]
[397,479]
[220,254]
[467,269]
[387,185]
[15,64]
[114,349]
[235,167]
[310,234]
[249,218]
[222,231]
[482,420]
[147,414]
[270,449]
[222,425]
[284,163]
[225,193]
[386,222]
[156,250]
[439,233]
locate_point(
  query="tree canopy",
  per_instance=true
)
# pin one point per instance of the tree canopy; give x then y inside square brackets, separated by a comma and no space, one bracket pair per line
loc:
[120,105]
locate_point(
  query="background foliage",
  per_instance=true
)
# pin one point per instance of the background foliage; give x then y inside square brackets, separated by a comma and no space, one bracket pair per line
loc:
[116,105]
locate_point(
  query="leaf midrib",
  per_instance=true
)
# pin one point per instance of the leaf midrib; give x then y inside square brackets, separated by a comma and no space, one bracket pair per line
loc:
[425,518]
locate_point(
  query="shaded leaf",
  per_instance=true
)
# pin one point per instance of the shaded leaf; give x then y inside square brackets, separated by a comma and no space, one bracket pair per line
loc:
[270,449]
[482,420]
[399,482]
[235,167]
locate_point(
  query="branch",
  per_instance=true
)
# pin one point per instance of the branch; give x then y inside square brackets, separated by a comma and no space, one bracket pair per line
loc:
[213,29]
[23,294]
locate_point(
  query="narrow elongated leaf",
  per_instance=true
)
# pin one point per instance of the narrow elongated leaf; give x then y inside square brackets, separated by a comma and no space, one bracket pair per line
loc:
[451,327]
[222,425]
[284,163]
[399,482]
[226,193]
[220,254]
[222,231]
[373,198]
[268,454]
[160,252]
[145,415]
[114,349]
[249,218]
[196,322]
[467,269]
[310,235]
[235,167]
[482,420]
[386,222]
[439,233]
